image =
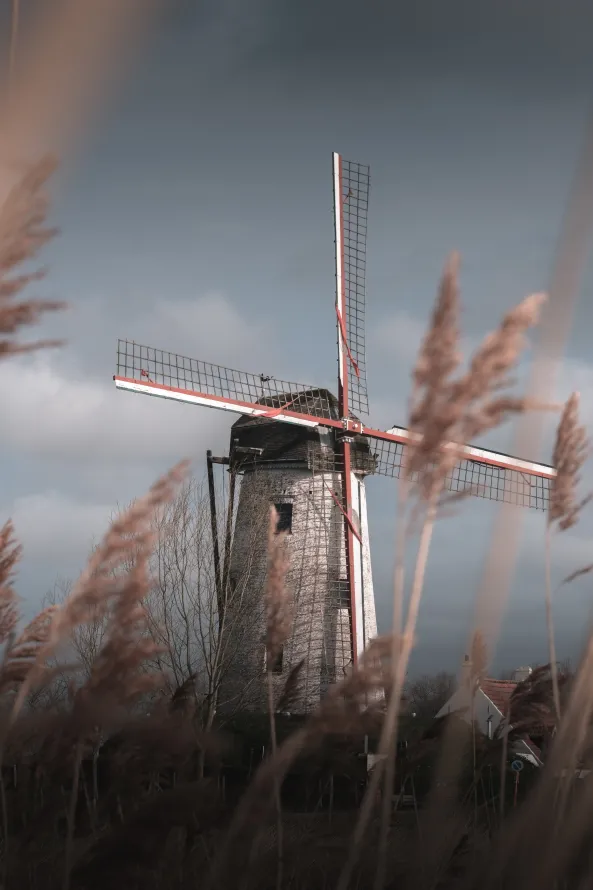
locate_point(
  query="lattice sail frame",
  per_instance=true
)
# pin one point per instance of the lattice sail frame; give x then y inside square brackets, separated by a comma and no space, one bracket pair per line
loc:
[489,474]
[351,207]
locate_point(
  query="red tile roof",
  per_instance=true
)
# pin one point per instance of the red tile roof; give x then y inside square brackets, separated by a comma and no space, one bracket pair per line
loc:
[533,747]
[498,691]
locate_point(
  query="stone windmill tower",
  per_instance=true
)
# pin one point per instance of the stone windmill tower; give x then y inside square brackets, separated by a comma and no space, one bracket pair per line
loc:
[307,451]
[298,469]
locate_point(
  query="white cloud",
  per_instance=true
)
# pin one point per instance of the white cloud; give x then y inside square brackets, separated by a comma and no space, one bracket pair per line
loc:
[388,411]
[577,375]
[50,408]
[400,335]
[48,412]
[210,328]
[56,528]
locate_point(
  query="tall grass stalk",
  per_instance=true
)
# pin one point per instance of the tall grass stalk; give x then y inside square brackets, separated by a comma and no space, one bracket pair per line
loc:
[391,719]
[438,358]
[72,816]
[278,621]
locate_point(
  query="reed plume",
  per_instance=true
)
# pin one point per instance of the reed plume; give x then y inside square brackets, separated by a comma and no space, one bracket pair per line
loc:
[105,576]
[430,412]
[23,234]
[338,713]
[571,450]
[278,610]
[10,553]
[290,693]
[117,677]
[22,656]
[278,620]
[447,414]
[444,415]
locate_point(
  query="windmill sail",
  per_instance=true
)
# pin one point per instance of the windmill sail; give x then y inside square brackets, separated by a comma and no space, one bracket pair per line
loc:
[156,372]
[351,190]
[487,474]
[481,472]
[352,180]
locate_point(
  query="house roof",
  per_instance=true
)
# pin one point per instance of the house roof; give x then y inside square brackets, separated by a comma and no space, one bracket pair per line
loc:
[532,747]
[498,691]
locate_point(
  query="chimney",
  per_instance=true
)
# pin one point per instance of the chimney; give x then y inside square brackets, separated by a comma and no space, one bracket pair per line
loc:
[466,671]
[520,674]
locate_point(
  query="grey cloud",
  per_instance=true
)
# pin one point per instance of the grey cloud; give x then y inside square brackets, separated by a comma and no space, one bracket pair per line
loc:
[199,219]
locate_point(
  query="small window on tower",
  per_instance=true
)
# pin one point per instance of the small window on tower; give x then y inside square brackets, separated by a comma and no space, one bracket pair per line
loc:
[278,664]
[284,512]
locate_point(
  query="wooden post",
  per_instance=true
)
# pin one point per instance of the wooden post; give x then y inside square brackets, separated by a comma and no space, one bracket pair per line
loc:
[214,527]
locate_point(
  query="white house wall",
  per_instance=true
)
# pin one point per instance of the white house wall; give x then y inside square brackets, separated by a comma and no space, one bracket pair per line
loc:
[485,712]
[484,709]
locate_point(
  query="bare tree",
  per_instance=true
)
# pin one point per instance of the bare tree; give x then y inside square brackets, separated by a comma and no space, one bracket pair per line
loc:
[85,641]
[427,694]
[196,617]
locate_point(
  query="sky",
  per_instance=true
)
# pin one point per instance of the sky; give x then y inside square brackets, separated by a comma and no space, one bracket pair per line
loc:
[196,216]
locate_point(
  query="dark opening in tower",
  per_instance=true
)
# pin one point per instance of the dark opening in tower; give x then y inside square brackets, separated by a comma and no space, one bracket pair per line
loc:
[284,511]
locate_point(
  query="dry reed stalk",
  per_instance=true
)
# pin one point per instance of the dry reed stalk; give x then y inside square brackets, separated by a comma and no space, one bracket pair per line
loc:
[23,233]
[17,659]
[291,690]
[478,664]
[128,853]
[437,360]
[476,407]
[578,573]
[69,53]
[277,603]
[103,586]
[14,31]
[10,553]
[571,450]
[539,841]
[116,677]
[103,580]
[278,621]
[339,712]
[572,732]
[569,264]
[444,415]
[22,655]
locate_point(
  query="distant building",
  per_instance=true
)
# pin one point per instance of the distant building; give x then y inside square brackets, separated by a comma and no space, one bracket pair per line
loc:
[490,707]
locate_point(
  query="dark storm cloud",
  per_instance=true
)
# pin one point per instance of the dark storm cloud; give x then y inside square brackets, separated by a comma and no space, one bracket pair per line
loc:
[354,38]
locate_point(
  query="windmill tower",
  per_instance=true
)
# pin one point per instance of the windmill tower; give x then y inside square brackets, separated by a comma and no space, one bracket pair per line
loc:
[308,452]
[299,470]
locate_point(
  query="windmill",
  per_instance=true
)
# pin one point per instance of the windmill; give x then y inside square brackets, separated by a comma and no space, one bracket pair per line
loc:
[308,452]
